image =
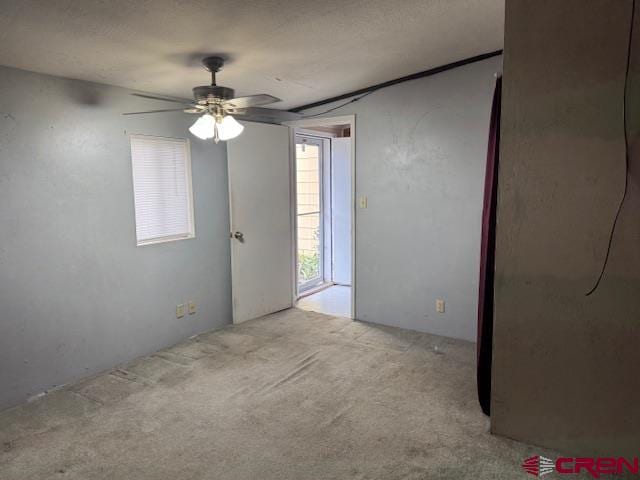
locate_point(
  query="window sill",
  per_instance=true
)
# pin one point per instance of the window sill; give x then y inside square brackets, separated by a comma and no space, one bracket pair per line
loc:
[155,241]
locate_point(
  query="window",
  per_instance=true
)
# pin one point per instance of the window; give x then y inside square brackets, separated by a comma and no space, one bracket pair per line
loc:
[162,189]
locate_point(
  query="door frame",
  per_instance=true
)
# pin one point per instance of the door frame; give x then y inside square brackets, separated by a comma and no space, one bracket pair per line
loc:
[324,122]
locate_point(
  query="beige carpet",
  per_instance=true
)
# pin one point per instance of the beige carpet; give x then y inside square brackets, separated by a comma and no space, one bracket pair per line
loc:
[295,395]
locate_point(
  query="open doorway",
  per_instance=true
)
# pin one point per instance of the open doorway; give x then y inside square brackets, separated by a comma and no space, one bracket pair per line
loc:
[324,211]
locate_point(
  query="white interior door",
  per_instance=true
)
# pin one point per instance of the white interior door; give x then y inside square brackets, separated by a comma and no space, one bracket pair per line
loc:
[341,198]
[261,226]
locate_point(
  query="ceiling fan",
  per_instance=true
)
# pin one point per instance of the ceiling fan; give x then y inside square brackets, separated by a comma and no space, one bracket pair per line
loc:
[218,109]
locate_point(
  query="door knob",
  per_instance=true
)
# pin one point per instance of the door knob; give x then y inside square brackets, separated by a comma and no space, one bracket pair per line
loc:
[239,236]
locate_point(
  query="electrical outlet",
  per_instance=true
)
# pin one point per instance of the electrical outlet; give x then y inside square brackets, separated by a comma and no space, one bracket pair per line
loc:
[192,307]
[363,201]
[180,310]
[440,305]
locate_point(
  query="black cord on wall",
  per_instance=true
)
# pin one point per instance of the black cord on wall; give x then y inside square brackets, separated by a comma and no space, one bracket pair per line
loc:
[353,100]
[626,152]
[363,92]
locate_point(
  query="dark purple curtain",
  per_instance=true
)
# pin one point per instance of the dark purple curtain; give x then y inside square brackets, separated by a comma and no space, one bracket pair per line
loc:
[487,256]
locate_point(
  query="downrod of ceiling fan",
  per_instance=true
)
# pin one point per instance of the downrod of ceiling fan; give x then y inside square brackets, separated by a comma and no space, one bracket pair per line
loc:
[213,64]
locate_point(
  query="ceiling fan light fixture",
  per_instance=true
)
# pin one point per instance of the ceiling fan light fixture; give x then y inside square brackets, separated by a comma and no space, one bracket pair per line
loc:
[204,127]
[229,128]
[207,126]
[213,103]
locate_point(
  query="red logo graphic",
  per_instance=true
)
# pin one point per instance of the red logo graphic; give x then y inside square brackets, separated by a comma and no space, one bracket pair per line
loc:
[539,466]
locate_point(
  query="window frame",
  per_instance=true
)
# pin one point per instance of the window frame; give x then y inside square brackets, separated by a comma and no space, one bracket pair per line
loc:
[189,186]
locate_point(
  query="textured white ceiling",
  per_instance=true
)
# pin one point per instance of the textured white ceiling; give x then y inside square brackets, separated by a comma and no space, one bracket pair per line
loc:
[298,50]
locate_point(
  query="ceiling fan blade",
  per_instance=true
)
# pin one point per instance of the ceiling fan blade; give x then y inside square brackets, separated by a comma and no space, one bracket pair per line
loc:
[153,97]
[251,101]
[159,111]
[266,115]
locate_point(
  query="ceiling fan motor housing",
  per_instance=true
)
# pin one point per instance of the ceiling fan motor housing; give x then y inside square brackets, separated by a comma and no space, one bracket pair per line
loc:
[213,63]
[210,93]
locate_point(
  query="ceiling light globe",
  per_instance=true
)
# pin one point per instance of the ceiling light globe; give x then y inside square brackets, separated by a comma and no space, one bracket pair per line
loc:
[204,127]
[229,128]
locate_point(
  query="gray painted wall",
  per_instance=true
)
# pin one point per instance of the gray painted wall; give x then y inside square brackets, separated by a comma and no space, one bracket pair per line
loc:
[76,294]
[420,160]
[566,365]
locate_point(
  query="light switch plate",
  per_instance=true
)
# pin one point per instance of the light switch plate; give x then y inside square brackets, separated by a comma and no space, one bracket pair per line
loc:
[363,201]
[192,307]
[180,310]
[440,306]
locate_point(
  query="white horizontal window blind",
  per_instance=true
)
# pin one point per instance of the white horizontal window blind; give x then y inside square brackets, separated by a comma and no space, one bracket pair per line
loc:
[162,189]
